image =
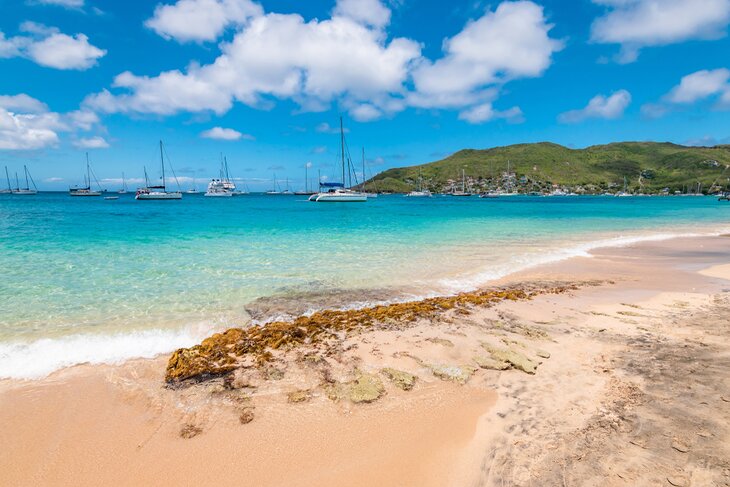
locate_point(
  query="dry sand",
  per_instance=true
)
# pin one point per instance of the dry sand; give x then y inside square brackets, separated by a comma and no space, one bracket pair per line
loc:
[632,388]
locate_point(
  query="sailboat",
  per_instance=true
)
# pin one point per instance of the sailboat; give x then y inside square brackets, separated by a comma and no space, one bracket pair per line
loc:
[624,193]
[287,191]
[276,189]
[306,191]
[158,192]
[510,190]
[463,186]
[420,193]
[124,186]
[10,189]
[369,194]
[337,192]
[86,189]
[25,191]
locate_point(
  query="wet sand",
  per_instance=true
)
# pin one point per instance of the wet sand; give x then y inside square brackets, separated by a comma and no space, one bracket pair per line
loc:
[631,388]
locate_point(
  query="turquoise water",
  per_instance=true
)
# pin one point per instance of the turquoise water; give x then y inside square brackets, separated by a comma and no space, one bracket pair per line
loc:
[86,279]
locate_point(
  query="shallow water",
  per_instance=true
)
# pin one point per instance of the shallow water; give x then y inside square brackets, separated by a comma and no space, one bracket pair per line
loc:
[146,277]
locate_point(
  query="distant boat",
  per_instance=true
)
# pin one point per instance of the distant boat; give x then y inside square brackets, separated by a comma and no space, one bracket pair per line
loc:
[157,192]
[306,191]
[111,197]
[337,192]
[490,194]
[124,186]
[25,191]
[10,188]
[624,193]
[369,194]
[420,193]
[86,189]
[276,189]
[223,186]
[463,191]
[287,191]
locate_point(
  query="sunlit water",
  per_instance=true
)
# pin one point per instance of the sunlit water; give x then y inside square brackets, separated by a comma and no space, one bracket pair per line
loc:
[86,279]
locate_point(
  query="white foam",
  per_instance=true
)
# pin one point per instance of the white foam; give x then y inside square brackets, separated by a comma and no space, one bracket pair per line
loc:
[465,283]
[38,359]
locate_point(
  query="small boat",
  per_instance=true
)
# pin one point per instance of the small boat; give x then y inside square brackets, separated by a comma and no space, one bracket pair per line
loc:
[86,189]
[124,186]
[463,191]
[276,190]
[490,194]
[111,197]
[25,191]
[10,189]
[337,192]
[724,197]
[420,192]
[157,192]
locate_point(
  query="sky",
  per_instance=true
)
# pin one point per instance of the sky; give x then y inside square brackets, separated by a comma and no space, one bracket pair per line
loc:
[415,80]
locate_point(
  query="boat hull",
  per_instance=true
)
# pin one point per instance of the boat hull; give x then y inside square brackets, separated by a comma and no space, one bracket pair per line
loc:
[89,193]
[158,196]
[25,192]
[219,195]
[339,198]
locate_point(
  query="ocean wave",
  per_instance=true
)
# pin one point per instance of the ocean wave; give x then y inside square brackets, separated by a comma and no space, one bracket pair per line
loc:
[40,358]
[518,263]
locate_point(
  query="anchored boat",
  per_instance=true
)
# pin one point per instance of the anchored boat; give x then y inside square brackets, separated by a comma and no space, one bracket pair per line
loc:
[158,192]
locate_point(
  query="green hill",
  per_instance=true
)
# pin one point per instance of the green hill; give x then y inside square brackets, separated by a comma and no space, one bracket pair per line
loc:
[648,167]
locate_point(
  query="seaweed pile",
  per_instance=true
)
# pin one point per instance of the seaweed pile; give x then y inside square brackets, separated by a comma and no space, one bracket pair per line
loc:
[224,352]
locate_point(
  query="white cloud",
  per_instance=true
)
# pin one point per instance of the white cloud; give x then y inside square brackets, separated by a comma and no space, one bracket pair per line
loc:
[700,85]
[48,47]
[348,59]
[53,180]
[600,106]
[368,12]
[325,128]
[95,142]
[63,3]
[201,20]
[27,124]
[511,42]
[485,112]
[220,133]
[635,24]
[22,103]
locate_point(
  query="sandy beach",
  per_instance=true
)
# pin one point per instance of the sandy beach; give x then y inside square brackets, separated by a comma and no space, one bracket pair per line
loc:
[608,370]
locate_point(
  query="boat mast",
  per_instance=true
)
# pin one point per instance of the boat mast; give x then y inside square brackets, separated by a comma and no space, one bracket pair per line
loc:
[17,182]
[162,161]
[342,148]
[306,179]
[463,181]
[25,169]
[7,176]
[124,183]
[363,168]
[88,173]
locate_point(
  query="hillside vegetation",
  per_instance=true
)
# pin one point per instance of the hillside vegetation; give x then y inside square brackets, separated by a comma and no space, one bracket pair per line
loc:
[648,167]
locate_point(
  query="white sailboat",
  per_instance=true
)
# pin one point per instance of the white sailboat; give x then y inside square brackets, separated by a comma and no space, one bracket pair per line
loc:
[9,190]
[158,192]
[86,189]
[337,192]
[463,191]
[124,186]
[26,191]
[276,189]
[420,193]
[306,191]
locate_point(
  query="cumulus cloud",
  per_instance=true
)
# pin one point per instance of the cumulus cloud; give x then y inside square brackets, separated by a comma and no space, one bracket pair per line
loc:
[485,112]
[635,24]
[220,133]
[700,85]
[201,20]
[48,47]
[511,42]
[692,88]
[27,124]
[348,59]
[600,106]
[95,142]
[368,12]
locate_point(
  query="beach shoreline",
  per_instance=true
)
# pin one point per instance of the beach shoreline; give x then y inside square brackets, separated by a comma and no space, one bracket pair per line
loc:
[106,424]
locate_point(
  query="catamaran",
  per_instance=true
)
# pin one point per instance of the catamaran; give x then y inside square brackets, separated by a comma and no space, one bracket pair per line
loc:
[158,192]
[337,192]
[86,189]
[25,191]
[463,191]
[420,193]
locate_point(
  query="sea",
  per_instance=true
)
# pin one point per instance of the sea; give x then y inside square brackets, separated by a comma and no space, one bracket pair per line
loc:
[89,280]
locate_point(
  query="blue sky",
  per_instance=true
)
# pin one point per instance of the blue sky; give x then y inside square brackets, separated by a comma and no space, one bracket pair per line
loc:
[265,82]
